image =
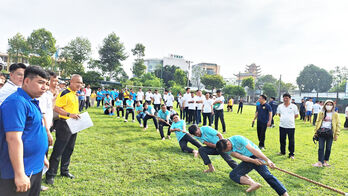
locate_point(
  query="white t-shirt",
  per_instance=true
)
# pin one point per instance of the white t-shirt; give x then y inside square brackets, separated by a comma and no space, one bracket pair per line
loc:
[221,107]
[165,97]
[8,89]
[309,106]
[157,98]
[346,112]
[46,107]
[191,106]
[316,108]
[199,105]
[148,96]
[88,92]
[170,100]
[185,98]
[180,100]
[207,105]
[327,122]
[140,96]
[287,115]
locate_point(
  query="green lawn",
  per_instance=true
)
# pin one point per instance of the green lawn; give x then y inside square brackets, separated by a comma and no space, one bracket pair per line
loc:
[117,158]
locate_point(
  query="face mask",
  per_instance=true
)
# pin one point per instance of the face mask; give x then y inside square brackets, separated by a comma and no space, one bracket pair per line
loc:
[328,107]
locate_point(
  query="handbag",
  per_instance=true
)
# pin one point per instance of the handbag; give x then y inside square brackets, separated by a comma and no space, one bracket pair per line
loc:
[324,132]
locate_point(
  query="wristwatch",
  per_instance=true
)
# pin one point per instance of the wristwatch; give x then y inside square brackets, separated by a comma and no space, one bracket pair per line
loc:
[68,114]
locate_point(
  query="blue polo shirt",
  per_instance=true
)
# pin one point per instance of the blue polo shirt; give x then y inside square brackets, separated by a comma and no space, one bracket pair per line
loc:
[208,135]
[119,103]
[139,108]
[239,144]
[19,112]
[129,104]
[112,94]
[116,94]
[179,125]
[149,109]
[163,115]
[99,95]
[134,95]
[263,112]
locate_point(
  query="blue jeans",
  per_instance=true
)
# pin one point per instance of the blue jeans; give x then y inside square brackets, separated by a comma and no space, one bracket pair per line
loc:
[140,116]
[198,116]
[245,167]
[324,156]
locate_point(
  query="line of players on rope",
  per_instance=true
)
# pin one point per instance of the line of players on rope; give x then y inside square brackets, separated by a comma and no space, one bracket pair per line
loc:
[237,146]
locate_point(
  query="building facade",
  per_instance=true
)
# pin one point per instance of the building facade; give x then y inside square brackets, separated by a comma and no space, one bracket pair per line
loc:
[210,68]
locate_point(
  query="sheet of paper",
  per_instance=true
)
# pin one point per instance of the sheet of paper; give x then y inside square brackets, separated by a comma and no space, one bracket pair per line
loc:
[80,124]
[44,170]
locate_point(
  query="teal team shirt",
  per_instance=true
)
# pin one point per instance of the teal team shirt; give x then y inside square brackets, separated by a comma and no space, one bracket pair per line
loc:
[163,115]
[179,125]
[139,108]
[106,100]
[239,144]
[149,109]
[208,135]
[119,103]
[129,104]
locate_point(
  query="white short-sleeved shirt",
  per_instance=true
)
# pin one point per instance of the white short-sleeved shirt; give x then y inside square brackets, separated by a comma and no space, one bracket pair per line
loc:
[185,98]
[316,108]
[140,96]
[346,112]
[148,96]
[287,115]
[88,92]
[309,106]
[221,107]
[8,89]
[165,97]
[157,98]
[207,105]
[191,106]
[46,107]
[170,100]
[199,105]
[180,100]
[327,121]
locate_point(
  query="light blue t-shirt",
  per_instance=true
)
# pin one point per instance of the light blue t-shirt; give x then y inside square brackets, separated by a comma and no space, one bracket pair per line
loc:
[163,115]
[239,144]
[107,100]
[112,94]
[129,104]
[208,135]
[178,125]
[119,103]
[149,109]
[139,108]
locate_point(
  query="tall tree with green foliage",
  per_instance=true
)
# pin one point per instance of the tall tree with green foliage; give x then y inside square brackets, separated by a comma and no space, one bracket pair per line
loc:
[233,91]
[111,54]
[197,74]
[139,66]
[180,77]
[166,73]
[314,78]
[269,89]
[42,45]
[212,82]
[265,79]
[74,55]
[92,77]
[18,47]
[249,82]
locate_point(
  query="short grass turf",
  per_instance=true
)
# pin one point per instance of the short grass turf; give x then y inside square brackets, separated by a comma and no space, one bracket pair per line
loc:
[118,158]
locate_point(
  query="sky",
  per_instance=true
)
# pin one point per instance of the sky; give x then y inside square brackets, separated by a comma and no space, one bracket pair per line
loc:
[282,36]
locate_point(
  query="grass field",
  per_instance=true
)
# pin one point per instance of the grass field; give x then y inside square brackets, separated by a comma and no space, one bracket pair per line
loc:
[117,158]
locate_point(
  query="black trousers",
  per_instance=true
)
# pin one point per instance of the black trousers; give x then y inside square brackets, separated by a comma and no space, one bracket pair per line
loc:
[81,105]
[261,133]
[346,123]
[88,103]
[182,113]
[205,116]
[192,116]
[129,111]
[147,117]
[148,102]
[186,114]
[161,125]
[315,116]
[272,122]
[62,149]
[282,138]
[118,111]
[302,115]
[157,107]
[206,150]
[240,108]
[220,114]
[8,186]
[183,143]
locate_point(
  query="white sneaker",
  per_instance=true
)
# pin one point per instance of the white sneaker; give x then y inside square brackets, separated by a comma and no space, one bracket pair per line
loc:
[118,117]
[125,120]
[157,130]
[169,137]
[164,138]
[133,121]
[141,125]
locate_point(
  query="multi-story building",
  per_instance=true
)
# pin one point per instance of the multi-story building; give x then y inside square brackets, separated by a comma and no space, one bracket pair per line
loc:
[5,60]
[152,64]
[210,68]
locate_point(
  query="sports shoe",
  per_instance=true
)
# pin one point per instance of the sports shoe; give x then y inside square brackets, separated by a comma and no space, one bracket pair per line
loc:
[125,120]
[133,121]
[169,137]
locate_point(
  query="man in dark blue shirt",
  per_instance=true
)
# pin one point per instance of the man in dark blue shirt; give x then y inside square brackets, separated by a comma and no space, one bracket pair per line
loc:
[23,138]
[264,118]
[274,107]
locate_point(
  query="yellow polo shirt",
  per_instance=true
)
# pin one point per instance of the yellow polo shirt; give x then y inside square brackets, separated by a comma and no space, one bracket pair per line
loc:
[126,95]
[67,99]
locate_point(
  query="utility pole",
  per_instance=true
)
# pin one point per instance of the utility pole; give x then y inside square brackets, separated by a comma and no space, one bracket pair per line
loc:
[239,79]
[279,86]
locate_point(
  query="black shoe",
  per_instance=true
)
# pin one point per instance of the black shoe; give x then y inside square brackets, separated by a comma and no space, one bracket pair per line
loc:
[69,175]
[49,180]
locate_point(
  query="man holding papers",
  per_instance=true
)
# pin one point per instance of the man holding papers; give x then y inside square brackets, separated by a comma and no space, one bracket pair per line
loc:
[66,106]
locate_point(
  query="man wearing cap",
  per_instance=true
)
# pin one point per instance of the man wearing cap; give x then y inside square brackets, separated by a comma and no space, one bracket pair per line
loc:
[15,81]
[67,106]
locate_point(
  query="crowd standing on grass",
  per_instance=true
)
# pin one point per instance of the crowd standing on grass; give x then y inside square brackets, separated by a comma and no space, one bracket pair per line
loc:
[37,104]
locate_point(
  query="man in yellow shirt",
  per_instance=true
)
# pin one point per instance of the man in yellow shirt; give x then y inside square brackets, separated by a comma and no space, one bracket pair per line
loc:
[67,106]
[230,105]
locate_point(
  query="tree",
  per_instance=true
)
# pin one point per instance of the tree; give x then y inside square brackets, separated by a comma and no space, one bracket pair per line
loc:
[269,90]
[18,46]
[42,45]
[139,66]
[249,82]
[74,55]
[149,79]
[111,54]
[92,77]
[314,78]
[180,77]
[213,81]
[235,91]
[339,76]
[265,79]
[166,73]
[197,74]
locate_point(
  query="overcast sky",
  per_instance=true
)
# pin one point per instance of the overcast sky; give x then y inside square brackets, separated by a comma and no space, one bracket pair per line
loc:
[280,36]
